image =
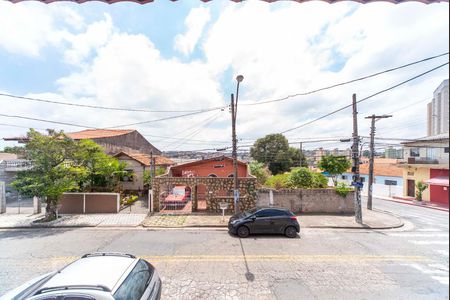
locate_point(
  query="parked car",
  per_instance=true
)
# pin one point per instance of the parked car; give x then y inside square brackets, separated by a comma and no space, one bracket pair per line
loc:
[96,276]
[264,220]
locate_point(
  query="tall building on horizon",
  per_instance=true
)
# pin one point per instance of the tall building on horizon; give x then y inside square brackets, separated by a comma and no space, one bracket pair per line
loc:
[438,110]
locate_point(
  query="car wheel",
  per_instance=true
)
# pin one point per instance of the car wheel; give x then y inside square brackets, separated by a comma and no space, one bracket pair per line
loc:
[243,232]
[290,232]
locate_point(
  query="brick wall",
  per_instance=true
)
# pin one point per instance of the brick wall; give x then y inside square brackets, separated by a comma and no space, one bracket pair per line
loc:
[308,200]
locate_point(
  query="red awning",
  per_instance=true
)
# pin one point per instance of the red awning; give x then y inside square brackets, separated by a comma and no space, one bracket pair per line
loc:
[299,1]
[440,180]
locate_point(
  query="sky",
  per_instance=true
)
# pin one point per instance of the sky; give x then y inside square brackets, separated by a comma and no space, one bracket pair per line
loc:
[182,58]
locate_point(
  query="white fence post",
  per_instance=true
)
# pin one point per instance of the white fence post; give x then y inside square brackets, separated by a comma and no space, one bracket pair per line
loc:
[2,197]
[37,205]
[150,200]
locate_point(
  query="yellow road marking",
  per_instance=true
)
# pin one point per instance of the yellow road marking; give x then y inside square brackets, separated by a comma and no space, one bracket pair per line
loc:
[256,258]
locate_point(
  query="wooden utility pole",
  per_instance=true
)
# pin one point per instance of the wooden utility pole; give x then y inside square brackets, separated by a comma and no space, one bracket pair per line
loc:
[355,169]
[372,155]
[234,154]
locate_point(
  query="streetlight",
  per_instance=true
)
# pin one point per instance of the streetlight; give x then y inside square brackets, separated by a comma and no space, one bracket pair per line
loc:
[239,79]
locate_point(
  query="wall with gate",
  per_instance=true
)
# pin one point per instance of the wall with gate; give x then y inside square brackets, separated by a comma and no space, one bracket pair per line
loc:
[80,203]
[218,190]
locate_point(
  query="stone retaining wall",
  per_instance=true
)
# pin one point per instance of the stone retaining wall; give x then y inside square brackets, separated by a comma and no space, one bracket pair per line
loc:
[308,200]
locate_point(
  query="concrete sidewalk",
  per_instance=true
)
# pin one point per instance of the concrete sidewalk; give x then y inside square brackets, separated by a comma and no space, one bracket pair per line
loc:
[87,220]
[371,220]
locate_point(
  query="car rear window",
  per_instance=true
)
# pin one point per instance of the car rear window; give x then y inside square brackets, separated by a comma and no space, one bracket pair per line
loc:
[136,282]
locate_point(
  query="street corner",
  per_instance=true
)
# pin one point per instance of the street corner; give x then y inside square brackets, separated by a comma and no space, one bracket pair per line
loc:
[164,221]
[380,219]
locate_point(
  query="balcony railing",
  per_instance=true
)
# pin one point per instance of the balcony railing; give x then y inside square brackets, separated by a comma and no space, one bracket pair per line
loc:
[421,161]
[16,165]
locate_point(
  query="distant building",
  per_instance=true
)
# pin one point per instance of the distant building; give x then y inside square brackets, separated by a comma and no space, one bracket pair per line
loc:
[393,153]
[438,110]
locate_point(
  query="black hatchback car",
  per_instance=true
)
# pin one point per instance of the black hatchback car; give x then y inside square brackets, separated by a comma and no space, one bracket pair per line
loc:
[264,220]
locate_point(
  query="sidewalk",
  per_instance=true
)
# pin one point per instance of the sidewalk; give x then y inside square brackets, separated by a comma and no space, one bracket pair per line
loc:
[371,220]
[87,220]
[410,202]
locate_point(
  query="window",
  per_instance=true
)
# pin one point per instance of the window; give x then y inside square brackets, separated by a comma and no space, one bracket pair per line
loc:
[231,176]
[344,177]
[446,150]
[363,179]
[277,213]
[218,166]
[264,213]
[135,284]
[212,175]
[414,152]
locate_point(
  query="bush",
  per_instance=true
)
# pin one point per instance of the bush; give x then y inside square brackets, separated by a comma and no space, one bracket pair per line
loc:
[259,171]
[319,181]
[279,181]
[301,178]
[342,189]
[128,200]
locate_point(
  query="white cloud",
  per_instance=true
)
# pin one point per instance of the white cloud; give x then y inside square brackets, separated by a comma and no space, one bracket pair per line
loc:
[281,49]
[26,28]
[195,23]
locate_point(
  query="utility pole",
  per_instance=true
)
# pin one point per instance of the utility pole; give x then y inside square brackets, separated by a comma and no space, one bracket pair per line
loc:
[301,153]
[355,155]
[234,107]
[234,154]
[372,154]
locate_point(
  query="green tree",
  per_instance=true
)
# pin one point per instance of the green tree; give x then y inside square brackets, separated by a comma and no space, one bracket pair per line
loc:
[279,181]
[258,170]
[97,171]
[301,178]
[148,176]
[15,149]
[274,151]
[334,165]
[50,175]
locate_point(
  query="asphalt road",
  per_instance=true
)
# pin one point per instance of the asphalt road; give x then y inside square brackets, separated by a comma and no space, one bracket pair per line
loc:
[410,262]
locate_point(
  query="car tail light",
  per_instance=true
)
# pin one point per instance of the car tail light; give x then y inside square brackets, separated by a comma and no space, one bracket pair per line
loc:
[294,218]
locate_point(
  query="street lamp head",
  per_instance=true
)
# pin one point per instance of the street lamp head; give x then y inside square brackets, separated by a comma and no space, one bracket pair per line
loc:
[239,78]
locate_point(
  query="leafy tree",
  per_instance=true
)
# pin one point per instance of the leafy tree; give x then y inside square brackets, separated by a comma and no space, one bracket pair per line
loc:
[15,149]
[258,170]
[301,178]
[97,170]
[334,165]
[50,176]
[274,151]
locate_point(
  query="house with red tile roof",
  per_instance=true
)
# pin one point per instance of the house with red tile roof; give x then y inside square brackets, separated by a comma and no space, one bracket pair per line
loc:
[137,164]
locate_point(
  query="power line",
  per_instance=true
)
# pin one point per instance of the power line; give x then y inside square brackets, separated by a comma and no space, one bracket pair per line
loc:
[366,98]
[346,82]
[46,121]
[167,118]
[96,106]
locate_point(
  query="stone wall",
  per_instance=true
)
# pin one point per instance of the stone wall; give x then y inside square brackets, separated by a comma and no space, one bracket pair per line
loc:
[308,200]
[215,187]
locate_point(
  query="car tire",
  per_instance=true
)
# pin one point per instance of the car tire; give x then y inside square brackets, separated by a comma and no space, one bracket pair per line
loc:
[290,232]
[243,232]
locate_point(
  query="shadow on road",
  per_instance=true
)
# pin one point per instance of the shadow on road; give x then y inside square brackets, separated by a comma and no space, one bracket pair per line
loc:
[31,233]
[249,275]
